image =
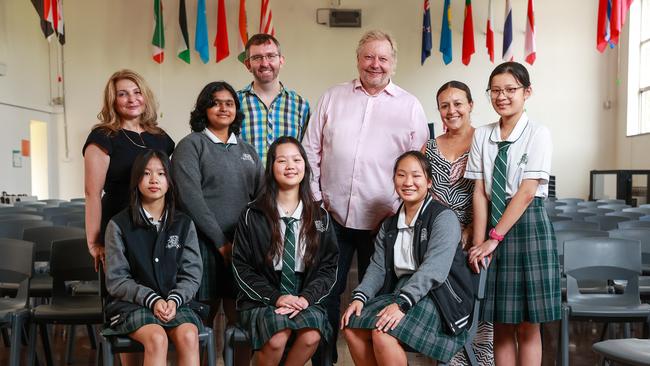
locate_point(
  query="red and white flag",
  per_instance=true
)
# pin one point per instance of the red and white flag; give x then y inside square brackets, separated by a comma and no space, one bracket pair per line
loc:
[266,18]
[243,32]
[529,46]
[489,33]
[221,41]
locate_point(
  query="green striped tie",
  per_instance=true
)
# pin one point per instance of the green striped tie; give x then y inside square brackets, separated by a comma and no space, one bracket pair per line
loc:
[499,183]
[288,281]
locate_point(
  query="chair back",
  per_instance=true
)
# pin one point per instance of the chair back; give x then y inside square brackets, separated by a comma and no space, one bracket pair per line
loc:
[588,204]
[16,264]
[630,215]
[575,225]
[596,210]
[20,216]
[562,236]
[645,218]
[640,234]
[42,237]
[603,259]
[49,212]
[12,209]
[607,222]
[570,201]
[614,206]
[643,210]
[52,202]
[64,218]
[66,267]
[610,201]
[555,218]
[576,216]
[568,208]
[633,224]
[15,228]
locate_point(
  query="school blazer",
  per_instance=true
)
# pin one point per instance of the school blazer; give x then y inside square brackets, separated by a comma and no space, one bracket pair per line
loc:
[258,281]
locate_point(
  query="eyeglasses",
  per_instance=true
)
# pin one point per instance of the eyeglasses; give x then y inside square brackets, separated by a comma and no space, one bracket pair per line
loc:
[259,58]
[223,103]
[507,92]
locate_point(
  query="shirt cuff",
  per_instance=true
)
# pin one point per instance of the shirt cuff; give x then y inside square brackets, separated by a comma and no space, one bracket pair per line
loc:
[175,298]
[151,299]
[359,296]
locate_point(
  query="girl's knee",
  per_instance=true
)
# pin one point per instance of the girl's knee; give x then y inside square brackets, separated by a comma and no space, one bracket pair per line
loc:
[188,337]
[381,340]
[156,341]
[278,340]
[310,337]
[528,331]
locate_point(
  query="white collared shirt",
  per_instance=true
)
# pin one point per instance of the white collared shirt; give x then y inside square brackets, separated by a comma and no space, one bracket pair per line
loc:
[300,247]
[529,156]
[403,258]
[152,220]
[232,139]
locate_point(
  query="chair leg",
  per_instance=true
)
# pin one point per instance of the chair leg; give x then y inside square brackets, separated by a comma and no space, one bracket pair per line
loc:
[566,312]
[91,336]
[469,352]
[69,349]
[212,353]
[31,350]
[228,351]
[16,331]
[107,352]
[45,339]
[5,338]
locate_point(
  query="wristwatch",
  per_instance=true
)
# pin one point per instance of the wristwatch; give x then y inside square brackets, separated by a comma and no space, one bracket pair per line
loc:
[403,304]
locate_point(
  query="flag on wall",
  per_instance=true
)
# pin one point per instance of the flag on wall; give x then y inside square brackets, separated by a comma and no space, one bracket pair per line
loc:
[468,34]
[221,40]
[243,32]
[529,46]
[183,37]
[201,35]
[489,33]
[60,31]
[618,17]
[427,41]
[266,18]
[507,34]
[46,27]
[445,34]
[158,40]
[611,18]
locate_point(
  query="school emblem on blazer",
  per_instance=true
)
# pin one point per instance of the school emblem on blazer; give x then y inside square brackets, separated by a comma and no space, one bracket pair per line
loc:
[319,226]
[247,157]
[424,235]
[172,242]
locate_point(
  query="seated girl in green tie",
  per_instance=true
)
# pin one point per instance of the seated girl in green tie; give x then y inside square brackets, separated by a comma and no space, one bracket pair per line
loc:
[284,258]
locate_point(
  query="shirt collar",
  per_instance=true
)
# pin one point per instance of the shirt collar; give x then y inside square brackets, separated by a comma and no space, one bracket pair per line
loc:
[401,219]
[249,89]
[232,139]
[297,214]
[150,219]
[390,89]
[521,125]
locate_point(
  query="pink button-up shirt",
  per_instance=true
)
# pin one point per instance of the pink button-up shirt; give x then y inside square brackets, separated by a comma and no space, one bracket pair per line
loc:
[352,141]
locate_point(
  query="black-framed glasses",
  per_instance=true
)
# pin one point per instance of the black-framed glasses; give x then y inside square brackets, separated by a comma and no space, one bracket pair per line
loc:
[259,58]
[507,92]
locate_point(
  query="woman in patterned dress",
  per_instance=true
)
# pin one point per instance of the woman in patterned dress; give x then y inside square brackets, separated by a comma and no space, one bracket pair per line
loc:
[417,251]
[510,162]
[448,155]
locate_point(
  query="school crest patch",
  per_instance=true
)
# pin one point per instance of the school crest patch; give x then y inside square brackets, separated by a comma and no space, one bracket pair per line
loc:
[319,226]
[172,242]
[424,235]
[247,157]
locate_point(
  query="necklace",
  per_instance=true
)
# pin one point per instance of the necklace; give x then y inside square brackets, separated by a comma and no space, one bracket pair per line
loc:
[143,146]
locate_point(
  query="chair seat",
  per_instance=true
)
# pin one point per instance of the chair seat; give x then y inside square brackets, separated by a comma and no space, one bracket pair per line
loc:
[40,286]
[630,351]
[85,308]
[605,311]
[9,306]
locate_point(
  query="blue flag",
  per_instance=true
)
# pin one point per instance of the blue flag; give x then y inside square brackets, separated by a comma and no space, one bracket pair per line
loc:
[445,34]
[426,33]
[201,37]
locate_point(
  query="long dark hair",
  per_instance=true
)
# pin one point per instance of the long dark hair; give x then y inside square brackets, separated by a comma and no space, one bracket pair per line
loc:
[137,172]
[517,70]
[268,203]
[199,117]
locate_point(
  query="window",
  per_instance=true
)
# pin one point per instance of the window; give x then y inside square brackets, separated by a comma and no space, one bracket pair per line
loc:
[638,121]
[644,68]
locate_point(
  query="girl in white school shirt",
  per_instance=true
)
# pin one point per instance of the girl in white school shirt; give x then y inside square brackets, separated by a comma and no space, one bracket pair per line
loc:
[518,248]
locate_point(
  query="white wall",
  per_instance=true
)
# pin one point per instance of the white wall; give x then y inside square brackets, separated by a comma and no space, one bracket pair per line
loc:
[570,79]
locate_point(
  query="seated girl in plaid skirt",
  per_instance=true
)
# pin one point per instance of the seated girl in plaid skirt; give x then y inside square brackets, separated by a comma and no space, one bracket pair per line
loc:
[397,303]
[284,258]
[153,267]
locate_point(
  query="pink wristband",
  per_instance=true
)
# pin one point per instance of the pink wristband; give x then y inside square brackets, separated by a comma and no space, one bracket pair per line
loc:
[494,235]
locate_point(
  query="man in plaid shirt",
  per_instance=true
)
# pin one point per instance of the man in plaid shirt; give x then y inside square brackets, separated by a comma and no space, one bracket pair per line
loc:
[270,110]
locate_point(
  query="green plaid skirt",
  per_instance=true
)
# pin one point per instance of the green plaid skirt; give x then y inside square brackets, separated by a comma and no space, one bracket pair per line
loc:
[421,328]
[262,323]
[523,282]
[144,316]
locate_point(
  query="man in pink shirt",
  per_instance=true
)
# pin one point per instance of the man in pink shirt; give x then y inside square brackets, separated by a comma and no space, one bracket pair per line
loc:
[352,140]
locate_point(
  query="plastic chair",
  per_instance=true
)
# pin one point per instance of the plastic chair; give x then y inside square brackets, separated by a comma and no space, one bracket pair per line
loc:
[588,204]
[643,236]
[12,209]
[15,268]
[562,236]
[576,216]
[49,212]
[66,308]
[575,225]
[601,259]
[607,222]
[64,218]
[596,210]
[611,201]
[20,216]
[15,228]
[643,210]
[570,201]
[644,218]
[629,351]
[630,215]
[568,208]
[614,206]
[81,199]
[633,224]
[52,202]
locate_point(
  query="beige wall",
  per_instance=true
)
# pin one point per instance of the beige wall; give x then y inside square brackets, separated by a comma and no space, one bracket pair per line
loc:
[571,80]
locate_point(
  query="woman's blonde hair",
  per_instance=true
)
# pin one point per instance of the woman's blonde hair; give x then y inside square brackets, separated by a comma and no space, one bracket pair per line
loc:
[108,117]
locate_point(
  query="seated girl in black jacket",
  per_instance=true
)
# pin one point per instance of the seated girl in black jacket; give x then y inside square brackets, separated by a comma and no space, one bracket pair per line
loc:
[417,290]
[153,267]
[284,258]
